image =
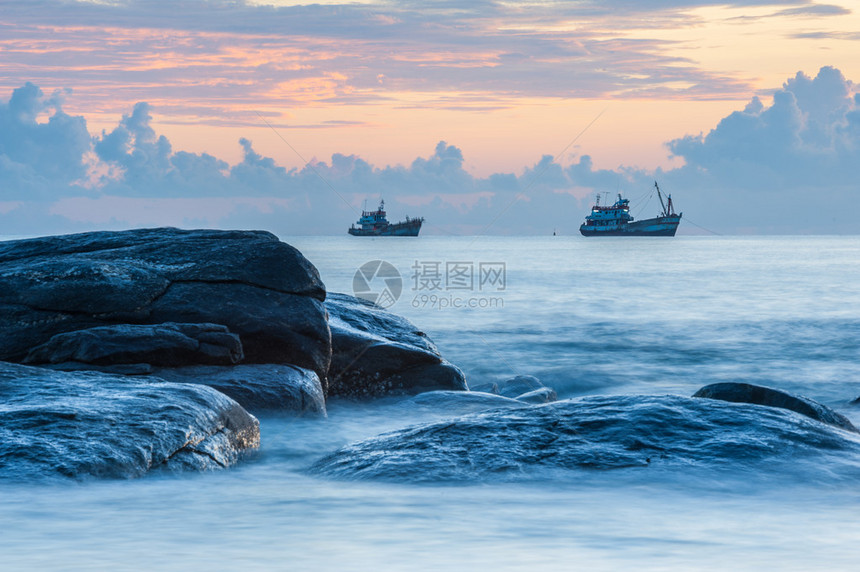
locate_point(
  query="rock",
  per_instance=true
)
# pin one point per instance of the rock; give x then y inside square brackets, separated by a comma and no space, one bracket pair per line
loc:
[274,327]
[86,424]
[542,395]
[377,353]
[135,301]
[519,385]
[525,388]
[259,288]
[458,402]
[120,369]
[167,344]
[558,441]
[259,387]
[486,387]
[759,395]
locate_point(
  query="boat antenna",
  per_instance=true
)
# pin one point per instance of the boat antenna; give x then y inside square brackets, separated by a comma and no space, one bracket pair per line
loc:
[664,213]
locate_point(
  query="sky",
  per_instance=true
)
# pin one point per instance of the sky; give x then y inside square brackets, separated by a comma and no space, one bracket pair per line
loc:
[485,117]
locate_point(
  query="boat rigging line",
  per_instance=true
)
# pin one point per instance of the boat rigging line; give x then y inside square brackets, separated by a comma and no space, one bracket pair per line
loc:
[645,204]
[536,177]
[306,162]
[686,218]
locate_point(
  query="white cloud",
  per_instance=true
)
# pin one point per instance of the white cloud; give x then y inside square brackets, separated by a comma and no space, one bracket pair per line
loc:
[38,159]
[783,165]
[787,167]
[807,136]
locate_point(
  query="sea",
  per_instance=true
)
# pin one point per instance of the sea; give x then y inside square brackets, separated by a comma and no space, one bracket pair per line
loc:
[598,316]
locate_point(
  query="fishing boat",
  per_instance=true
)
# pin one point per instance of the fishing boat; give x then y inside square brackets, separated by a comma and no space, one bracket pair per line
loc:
[616,220]
[375,223]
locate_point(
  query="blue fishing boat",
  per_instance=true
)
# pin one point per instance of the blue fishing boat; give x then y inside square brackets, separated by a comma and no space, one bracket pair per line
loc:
[375,223]
[616,220]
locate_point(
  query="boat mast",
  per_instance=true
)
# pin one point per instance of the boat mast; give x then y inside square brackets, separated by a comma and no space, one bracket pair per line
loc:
[664,213]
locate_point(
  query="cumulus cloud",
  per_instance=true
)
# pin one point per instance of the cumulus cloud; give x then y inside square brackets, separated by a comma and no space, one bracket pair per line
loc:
[39,159]
[771,162]
[806,136]
[784,163]
[139,179]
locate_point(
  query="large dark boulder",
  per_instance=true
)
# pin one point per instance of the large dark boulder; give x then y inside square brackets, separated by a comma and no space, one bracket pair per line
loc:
[259,388]
[759,395]
[137,301]
[87,424]
[257,287]
[376,353]
[558,441]
[167,344]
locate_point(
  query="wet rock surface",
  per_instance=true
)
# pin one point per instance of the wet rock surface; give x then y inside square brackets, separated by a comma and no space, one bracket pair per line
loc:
[770,397]
[447,403]
[376,353]
[161,345]
[260,289]
[519,385]
[558,440]
[84,424]
[258,387]
[541,395]
[129,328]
[526,388]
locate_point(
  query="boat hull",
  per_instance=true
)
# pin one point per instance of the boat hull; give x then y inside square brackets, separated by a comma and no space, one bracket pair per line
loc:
[659,226]
[410,228]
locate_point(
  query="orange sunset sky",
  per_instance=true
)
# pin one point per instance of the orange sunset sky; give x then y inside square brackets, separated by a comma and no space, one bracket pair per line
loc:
[390,79]
[505,82]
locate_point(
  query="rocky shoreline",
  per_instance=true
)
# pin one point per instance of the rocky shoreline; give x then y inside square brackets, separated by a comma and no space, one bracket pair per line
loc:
[169,309]
[123,353]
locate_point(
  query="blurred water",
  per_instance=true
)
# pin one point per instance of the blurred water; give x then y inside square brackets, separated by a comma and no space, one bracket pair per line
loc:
[644,315]
[625,315]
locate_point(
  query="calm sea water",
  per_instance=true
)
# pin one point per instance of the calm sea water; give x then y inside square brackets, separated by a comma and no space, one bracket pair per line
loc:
[624,315]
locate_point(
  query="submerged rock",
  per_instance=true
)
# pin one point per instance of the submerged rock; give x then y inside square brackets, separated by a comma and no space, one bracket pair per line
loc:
[485,387]
[759,395]
[519,385]
[458,402]
[377,353]
[261,289]
[526,388]
[559,439]
[258,387]
[542,395]
[87,424]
